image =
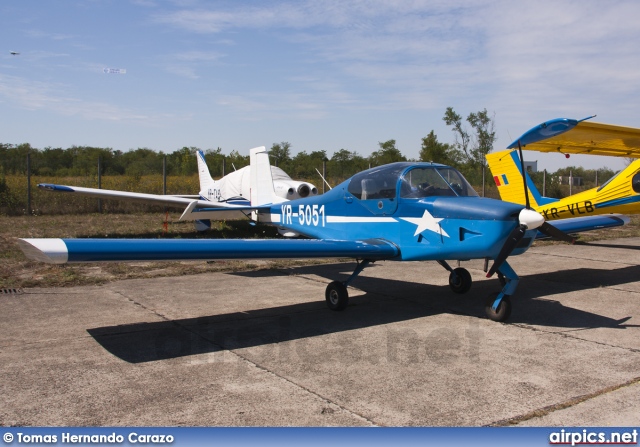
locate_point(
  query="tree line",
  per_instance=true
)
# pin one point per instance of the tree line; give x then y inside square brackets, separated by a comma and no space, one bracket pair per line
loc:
[474,137]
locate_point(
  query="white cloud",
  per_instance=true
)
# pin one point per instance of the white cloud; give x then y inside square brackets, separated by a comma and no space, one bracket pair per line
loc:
[420,42]
[39,34]
[37,95]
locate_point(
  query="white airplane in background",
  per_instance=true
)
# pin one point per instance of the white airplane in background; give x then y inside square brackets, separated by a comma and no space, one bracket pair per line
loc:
[231,191]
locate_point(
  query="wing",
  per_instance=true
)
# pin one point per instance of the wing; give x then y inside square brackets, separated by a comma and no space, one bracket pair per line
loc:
[61,251]
[226,210]
[158,199]
[175,201]
[582,137]
[587,223]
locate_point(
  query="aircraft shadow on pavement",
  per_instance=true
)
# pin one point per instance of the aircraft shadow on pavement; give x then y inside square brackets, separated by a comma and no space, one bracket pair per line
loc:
[385,301]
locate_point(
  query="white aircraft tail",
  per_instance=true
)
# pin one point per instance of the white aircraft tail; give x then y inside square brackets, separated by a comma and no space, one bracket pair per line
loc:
[206,181]
[262,191]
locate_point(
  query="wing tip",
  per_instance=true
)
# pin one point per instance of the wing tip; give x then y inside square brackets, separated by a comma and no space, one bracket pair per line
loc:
[50,251]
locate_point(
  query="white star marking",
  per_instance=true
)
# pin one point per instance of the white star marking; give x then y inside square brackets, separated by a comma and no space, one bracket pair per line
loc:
[426,222]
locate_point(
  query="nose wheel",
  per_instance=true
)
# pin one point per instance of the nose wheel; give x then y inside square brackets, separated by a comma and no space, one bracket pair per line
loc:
[498,308]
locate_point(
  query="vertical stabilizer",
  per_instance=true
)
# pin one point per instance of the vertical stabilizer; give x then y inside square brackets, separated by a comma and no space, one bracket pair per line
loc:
[206,181]
[506,171]
[262,191]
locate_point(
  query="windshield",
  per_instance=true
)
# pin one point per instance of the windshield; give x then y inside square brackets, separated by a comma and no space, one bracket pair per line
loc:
[376,183]
[416,182]
[427,182]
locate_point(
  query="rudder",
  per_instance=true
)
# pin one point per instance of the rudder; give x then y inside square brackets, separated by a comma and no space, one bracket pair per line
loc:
[506,171]
[206,181]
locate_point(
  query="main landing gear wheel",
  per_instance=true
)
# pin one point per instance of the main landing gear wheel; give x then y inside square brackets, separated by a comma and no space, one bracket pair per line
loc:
[337,296]
[460,280]
[504,308]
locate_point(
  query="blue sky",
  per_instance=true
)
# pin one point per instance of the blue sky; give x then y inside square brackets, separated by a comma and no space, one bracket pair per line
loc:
[320,74]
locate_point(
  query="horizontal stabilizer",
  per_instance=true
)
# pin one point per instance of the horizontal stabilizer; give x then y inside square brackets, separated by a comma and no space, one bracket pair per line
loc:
[587,223]
[195,211]
[60,251]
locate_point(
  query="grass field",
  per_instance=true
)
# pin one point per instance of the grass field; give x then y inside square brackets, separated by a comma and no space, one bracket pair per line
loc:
[18,272]
[43,202]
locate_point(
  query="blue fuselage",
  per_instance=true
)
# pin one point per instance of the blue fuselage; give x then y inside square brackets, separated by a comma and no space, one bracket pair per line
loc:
[425,229]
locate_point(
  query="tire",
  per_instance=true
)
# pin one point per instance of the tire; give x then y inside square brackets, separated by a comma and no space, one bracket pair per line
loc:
[504,309]
[460,280]
[337,296]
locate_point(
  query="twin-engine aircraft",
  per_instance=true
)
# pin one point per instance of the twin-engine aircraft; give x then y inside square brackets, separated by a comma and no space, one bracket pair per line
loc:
[397,212]
[620,194]
[231,193]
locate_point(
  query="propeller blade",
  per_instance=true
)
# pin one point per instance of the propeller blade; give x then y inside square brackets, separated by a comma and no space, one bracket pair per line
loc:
[512,241]
[528,219]
[545,227]
[553,232]
[524,177]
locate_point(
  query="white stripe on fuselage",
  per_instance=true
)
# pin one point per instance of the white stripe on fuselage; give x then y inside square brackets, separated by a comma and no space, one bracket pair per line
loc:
[359,219]
[343,219]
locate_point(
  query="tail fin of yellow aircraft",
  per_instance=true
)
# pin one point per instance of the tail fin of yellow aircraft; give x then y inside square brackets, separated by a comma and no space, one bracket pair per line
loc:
[507,173]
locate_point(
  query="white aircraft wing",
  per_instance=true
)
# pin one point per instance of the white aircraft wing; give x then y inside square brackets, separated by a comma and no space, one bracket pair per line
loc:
[227,210]
[159,199]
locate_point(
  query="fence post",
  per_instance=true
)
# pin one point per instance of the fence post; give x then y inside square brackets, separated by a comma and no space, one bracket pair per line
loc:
[99,182]
[544,183]
[570,182]
[29,183]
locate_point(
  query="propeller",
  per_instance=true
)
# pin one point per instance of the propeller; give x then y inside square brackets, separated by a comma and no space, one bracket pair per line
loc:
[546,227]
[553,232]
[528,220]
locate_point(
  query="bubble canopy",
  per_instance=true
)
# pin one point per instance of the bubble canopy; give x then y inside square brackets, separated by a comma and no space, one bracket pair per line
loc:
[410,181]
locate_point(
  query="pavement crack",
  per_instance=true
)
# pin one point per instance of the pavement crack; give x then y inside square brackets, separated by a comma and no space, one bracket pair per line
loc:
[308,390]
[265,369]
[573,337]
[544,411]
[142,306]
[216,345]
[559,255]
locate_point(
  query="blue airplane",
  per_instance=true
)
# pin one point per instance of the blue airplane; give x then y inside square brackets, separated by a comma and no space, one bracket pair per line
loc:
[397,212]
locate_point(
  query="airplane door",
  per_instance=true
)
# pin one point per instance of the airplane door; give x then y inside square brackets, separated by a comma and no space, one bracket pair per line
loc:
[379,195]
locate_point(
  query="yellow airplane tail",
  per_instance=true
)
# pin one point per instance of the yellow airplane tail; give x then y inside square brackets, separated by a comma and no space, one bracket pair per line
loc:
[507,173]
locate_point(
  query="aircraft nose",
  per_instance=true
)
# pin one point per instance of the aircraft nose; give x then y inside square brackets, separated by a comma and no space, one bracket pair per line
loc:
[477,209]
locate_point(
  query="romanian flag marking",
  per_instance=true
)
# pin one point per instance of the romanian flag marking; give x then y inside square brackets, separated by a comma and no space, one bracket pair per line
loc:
[501,180]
